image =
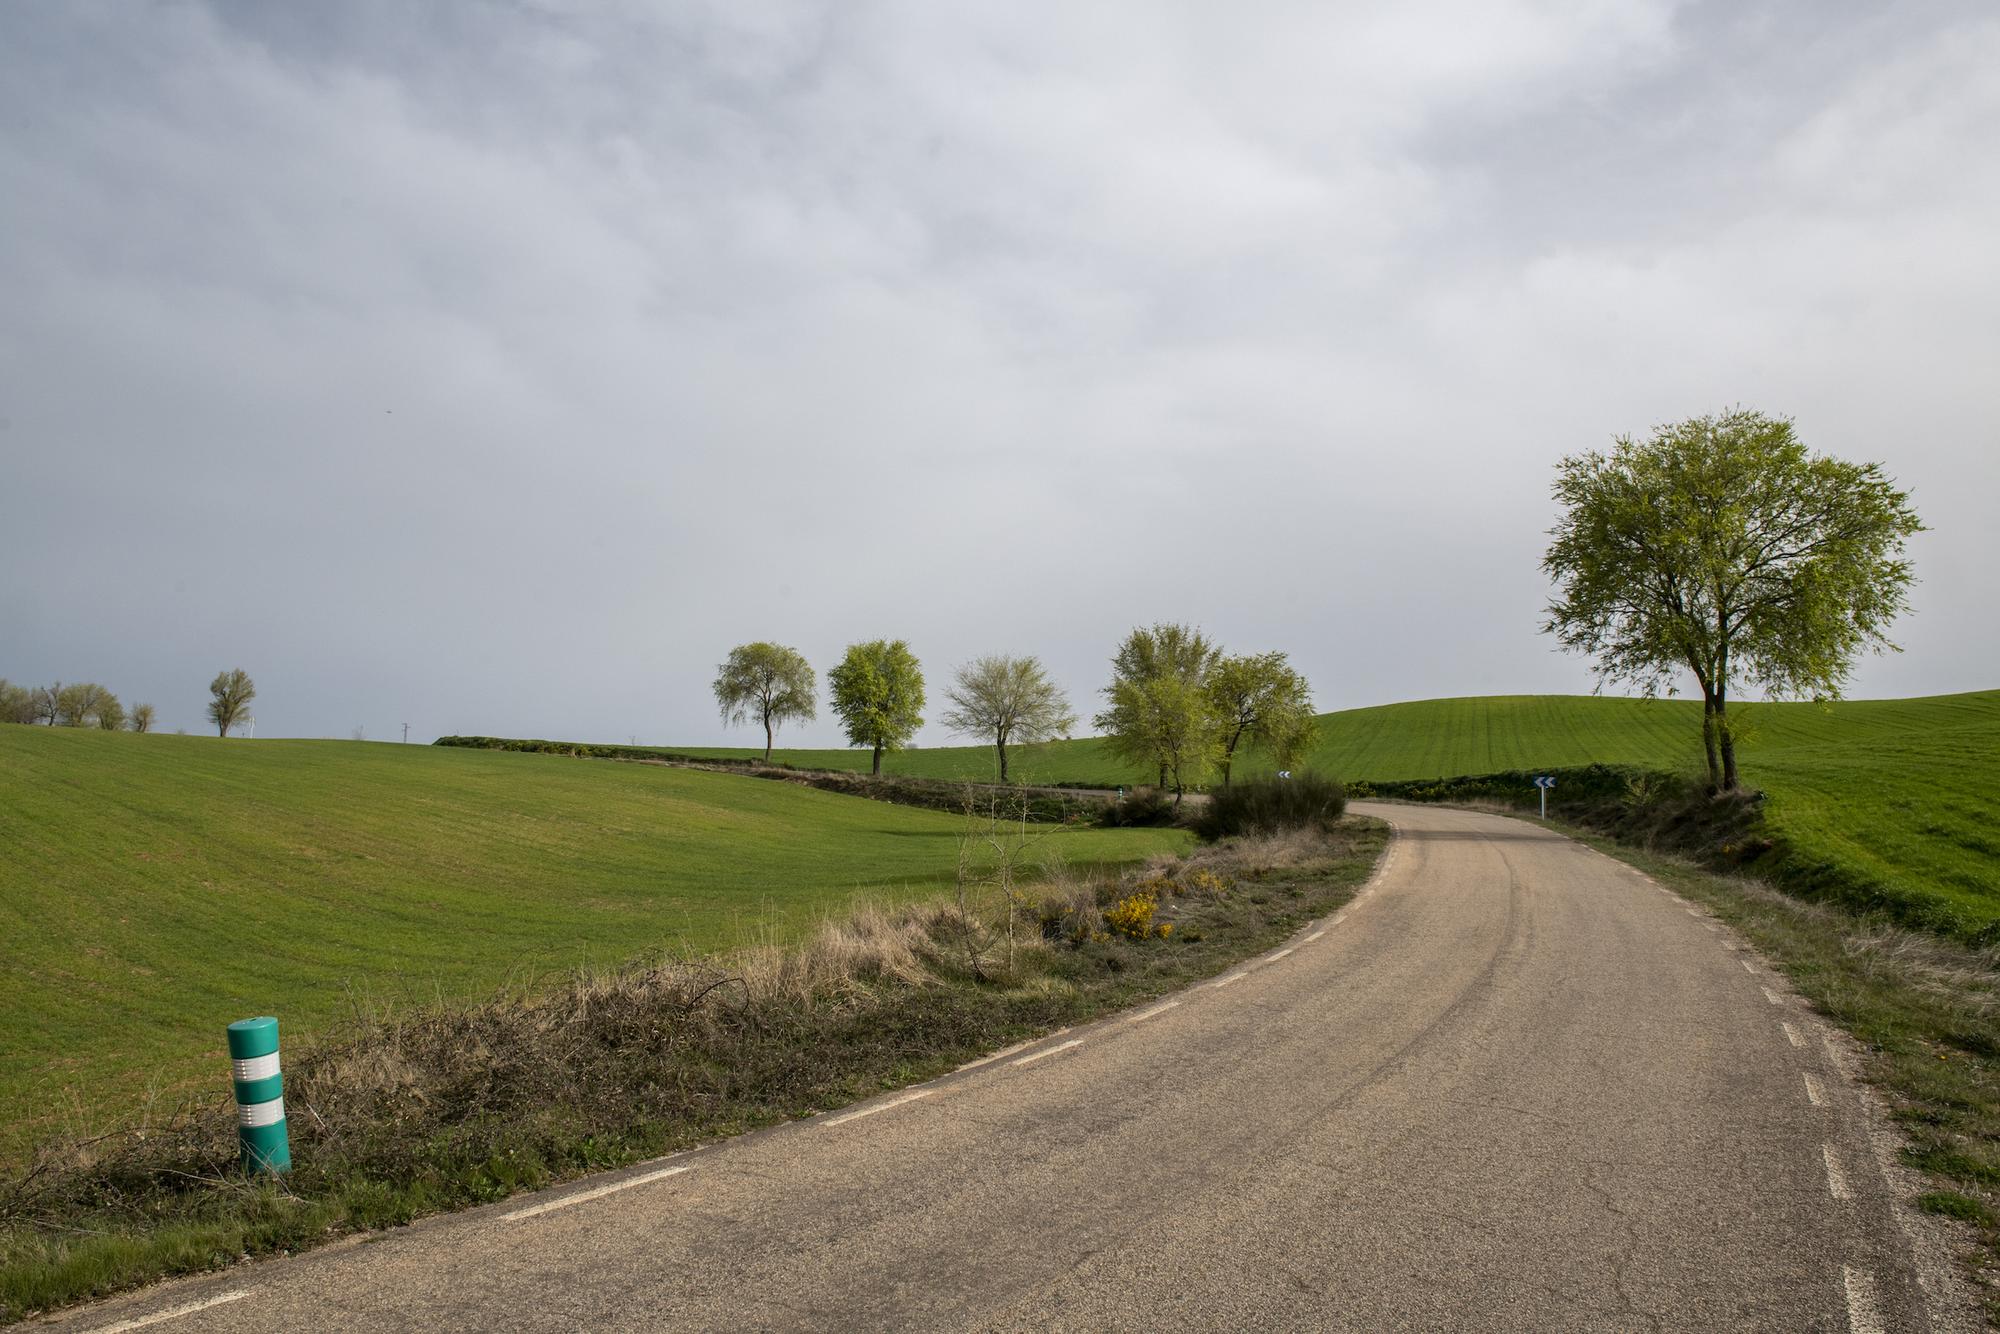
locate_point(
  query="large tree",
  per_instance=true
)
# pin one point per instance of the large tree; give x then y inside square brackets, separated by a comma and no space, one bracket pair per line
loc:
[1010,700]
[142,718]
[1258,697]
[1722,547]
[878,692]
[17,703]
[767,684]
[230,694]
[1158,711]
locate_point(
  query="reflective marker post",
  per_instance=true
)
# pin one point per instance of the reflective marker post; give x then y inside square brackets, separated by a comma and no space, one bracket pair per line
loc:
[260,1096]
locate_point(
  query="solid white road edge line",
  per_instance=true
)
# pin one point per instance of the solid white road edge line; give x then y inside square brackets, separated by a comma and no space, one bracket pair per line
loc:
[172,1312]
[582,1196]
[1144,1015]
[1815,1094]
[1836,1176]
[1864,1310]
[845,1117]
[1047,1051]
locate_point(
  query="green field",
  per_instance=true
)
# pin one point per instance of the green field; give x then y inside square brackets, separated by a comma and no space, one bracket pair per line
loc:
[1899,795]
[154,888]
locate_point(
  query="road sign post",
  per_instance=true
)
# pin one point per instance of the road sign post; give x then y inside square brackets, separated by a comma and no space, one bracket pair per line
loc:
[1544,783]
[260,1097]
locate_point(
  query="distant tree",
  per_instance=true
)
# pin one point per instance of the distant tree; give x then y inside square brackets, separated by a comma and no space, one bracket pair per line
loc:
[1258,697]
[1158,710]
[229,703]
[110,713]
[768,684]
[1720,546]
[142,718]
[17,703]
[86,704]
[1011,700]
[46,703]
[878,692]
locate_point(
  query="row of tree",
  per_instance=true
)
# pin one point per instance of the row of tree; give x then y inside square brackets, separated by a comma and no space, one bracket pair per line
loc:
[88,704]
[1176,701]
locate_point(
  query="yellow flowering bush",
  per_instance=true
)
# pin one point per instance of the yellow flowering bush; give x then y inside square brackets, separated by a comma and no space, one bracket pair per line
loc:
[1132,916]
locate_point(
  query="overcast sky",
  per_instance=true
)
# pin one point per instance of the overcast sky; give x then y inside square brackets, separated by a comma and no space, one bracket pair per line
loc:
[496,367]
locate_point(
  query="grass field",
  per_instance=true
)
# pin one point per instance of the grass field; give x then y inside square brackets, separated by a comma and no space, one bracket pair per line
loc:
[154,888]
[1900,794]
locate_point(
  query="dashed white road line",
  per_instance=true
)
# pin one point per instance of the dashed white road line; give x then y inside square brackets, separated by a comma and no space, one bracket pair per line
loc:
[1233,977]
[1281,954]
[1144,1015]
[1032,1057]
[172,1312]
[1815,1091]
[845,1117]
[1691,912]
[1864,1307]
[1836,1175]
[1772,996]
[1748,967]
[1316,935]
[1792,1034]
[612,1189]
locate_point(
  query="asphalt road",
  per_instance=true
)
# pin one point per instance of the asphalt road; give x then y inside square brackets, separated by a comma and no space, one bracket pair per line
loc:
[1514,1086]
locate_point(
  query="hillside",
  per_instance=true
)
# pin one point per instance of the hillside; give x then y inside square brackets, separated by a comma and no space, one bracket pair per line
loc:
[156,887]
[1900,796]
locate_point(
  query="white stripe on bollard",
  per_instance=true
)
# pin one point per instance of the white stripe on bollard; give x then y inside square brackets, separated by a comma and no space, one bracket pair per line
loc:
[261,1113]
[257,1067]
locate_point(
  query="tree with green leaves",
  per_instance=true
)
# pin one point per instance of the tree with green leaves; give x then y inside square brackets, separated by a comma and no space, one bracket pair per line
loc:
[110,714]
[767,684]
[1722,547]
[230,694]
[878,693]
[17,703]
[142,718]
[1258,697]
[86,704]
[1158,710]
[1009,700]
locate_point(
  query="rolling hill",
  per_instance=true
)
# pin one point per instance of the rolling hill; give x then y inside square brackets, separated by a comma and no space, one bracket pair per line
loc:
[154,888]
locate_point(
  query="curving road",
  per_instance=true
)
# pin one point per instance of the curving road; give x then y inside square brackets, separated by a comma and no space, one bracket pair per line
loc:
[1514,1086]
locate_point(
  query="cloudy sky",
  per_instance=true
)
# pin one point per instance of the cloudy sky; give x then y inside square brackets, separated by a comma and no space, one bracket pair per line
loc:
[496,367]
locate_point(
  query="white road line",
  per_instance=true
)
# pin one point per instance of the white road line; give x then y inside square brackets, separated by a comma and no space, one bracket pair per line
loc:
[1233,977]
[1792,1034]
[172,1312]
[1772,996]
[1748,967]
[1864,1308]
[1316,935]
[1280,954]
[1047,1051]
[1836,1176]
[1691,912]
[1815,1092]
[581,1196]
[845,1117]
[1144,1015]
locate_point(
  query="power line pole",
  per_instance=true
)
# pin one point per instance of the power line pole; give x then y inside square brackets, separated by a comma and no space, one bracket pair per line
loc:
[406,734]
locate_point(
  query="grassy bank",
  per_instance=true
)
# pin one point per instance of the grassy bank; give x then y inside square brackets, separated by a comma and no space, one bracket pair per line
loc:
[445,1105]
[156,887]
[1926,1012]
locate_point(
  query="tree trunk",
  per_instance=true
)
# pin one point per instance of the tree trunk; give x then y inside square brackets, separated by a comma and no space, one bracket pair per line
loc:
[767,741]
[1001,747]
[1163,775]
[877,771]
[1708,742]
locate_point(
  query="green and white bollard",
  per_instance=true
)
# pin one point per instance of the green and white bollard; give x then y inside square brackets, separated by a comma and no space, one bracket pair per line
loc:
[260,1096]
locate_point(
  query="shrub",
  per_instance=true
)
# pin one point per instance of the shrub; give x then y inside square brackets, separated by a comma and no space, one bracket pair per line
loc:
[1270,805]
[1141,808]
[1132,916]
